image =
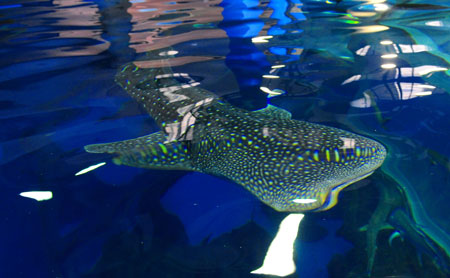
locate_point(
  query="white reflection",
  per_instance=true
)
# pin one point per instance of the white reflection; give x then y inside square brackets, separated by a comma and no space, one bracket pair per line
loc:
[279,259]
[90,168]
[351,79]
[181,131]
[278,66]
[393,91]
[419,71]
[168,53]
[413,48]
[425,86]
[424,93]
[270,92]
[364,102]
[38,195]
[407,90]
[304,201]
[371,29]
[389,56]
[147,10]
[169,92]
[398,48]
[349,143]
[423,70]
[363,51]
[270,76]
[437,23]
[386,42]
[261,39]
[388,66]
[381,7]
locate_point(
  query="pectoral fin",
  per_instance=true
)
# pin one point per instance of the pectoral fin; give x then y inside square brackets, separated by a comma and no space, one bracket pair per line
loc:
[150,151]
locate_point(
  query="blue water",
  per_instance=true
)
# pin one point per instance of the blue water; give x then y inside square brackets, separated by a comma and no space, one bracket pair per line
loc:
[377,68]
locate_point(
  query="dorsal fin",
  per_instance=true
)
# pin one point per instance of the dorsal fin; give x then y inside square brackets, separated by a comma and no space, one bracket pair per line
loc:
[273,112]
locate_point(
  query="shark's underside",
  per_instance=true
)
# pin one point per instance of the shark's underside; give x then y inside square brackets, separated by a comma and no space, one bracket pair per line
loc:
[290,165]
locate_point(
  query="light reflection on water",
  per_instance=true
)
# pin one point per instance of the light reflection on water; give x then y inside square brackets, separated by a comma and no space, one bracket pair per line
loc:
[374,67]
[159,24]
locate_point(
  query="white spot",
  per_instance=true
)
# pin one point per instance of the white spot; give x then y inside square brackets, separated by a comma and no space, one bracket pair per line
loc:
[90,168]
[38,195]
[279,257]
[304,201]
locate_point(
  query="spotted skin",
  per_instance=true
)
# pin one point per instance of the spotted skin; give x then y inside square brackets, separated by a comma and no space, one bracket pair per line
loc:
[290,165]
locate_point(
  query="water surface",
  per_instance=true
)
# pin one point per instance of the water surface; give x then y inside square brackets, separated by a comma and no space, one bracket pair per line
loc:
[376,68]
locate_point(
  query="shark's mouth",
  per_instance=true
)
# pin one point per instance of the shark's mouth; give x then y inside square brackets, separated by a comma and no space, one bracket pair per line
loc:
[332,197]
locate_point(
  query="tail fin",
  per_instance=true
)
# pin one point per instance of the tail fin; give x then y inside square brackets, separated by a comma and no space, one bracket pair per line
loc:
[160,91]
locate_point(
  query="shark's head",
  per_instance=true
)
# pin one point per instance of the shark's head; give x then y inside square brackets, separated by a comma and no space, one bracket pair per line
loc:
[307,165]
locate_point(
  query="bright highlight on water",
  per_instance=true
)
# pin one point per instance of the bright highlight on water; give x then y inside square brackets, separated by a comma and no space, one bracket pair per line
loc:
[279,259]
[90,168]
[38,195]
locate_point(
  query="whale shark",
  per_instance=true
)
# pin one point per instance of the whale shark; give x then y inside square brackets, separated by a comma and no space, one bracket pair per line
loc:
[288,164]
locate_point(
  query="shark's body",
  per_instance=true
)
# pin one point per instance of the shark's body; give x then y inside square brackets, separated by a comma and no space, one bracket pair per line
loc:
[288,164]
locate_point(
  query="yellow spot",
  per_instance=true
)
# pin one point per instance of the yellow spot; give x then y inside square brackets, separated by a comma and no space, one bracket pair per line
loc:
[358,151]
[300,158]
[163,148]
[153,151]
[316,155]
[327,154]
[336,155]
